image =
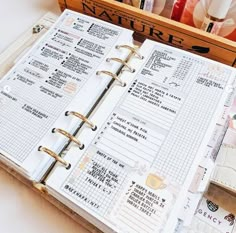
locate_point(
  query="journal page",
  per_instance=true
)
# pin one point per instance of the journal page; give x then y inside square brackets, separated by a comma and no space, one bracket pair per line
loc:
[135,170]
[57,75]
[200,182]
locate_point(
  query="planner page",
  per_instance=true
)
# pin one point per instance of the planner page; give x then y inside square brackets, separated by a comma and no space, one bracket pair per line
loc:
[136,169]
[200,182]
[57,75]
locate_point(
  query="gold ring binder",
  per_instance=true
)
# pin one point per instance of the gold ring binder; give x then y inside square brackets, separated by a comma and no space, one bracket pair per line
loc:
[55,156]
[122,62]
[68,135]
[114,76]
[83,118]
[132,49]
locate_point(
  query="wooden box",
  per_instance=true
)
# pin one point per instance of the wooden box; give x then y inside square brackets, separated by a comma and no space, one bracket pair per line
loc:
[158,28]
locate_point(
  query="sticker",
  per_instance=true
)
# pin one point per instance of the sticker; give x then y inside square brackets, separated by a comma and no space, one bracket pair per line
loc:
[143,205]
[213,217]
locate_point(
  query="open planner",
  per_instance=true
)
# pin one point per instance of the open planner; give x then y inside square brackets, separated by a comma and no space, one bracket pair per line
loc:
[124,136]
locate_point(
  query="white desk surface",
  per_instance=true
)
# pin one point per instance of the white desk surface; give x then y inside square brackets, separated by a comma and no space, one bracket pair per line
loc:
[22,210]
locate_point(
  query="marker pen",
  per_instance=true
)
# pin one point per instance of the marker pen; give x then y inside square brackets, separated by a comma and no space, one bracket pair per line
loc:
[215,16]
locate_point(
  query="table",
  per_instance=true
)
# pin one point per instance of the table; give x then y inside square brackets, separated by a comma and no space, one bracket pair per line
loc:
[21,209]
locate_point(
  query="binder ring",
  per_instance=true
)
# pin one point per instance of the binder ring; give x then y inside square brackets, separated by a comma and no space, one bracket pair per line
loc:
[68,135]
[83,118]
[55,156]
[114,76]
[122,62]
[132,49]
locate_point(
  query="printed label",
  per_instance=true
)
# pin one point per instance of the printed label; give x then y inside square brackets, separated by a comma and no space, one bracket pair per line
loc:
[216,217]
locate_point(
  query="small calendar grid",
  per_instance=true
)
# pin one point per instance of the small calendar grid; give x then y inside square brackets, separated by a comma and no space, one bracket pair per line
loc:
[178,152]
[181,72]
[79,182]
[193,71]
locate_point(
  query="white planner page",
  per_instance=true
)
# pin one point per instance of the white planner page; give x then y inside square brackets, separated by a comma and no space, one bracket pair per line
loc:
[204,171]
[136,169]
[57,75]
